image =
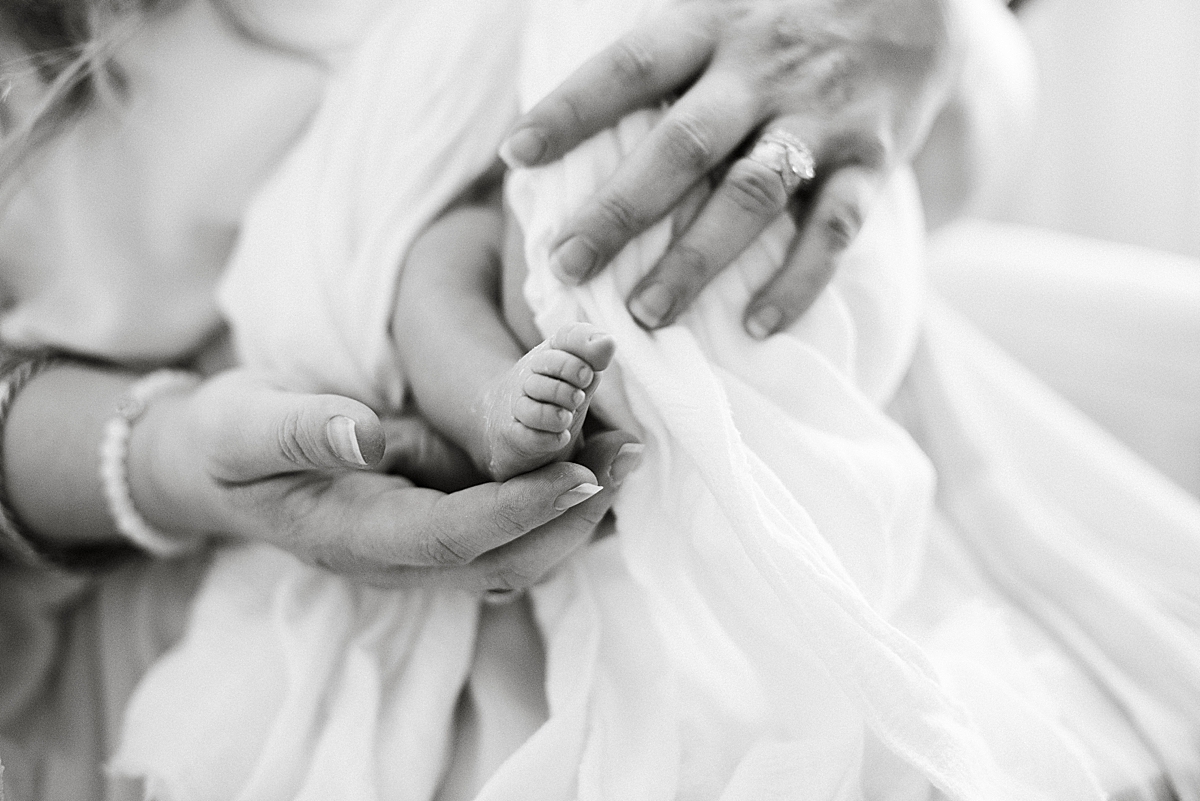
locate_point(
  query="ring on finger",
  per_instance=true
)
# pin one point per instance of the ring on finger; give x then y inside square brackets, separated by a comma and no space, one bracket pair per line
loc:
[787,156]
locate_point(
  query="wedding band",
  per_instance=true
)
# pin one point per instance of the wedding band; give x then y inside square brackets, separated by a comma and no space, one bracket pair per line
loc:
[787,156]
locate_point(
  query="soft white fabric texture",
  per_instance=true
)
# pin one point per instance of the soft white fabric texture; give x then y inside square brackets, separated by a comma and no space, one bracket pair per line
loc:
[770,620]
[413,115]
[290,683]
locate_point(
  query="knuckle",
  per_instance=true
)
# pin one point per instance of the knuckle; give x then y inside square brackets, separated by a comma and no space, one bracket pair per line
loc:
[507,518]
[446,547]
[446,551]
[291,439]
[689,143]
[294,532]
[623,214]
[689,265]
[756,189]
[840,225]
[792,45]
[568,109]
[633,62]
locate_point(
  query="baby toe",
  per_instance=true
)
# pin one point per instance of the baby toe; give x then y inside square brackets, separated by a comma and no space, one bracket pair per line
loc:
[528,442]
[542,416]
[558,364]
[587,342]
[551,390]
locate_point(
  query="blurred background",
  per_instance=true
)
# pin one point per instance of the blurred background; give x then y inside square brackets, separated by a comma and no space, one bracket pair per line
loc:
[1117,153]
[1086,267]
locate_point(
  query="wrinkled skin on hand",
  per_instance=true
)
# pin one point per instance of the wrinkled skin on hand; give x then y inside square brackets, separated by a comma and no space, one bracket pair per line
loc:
[858,81]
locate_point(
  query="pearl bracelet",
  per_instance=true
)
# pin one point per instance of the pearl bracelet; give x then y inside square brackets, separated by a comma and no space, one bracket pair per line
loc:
[114,463]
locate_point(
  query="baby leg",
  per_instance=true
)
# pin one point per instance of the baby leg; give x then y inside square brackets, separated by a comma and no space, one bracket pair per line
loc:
[534,412]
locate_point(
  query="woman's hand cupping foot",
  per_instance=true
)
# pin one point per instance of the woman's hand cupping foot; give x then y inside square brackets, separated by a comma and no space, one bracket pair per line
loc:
[241,458]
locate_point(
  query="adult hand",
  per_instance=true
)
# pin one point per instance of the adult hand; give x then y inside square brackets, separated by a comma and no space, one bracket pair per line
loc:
[240,457]
[856,81]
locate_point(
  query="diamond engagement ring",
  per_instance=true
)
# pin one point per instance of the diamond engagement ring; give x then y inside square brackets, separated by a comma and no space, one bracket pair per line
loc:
[787,156]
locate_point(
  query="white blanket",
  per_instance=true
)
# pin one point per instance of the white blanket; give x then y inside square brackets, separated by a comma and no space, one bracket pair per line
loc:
[770,620]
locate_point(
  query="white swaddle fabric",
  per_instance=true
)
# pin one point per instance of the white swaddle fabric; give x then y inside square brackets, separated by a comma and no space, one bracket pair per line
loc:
[415,114]
[779,513]
[291,683]
[755,629]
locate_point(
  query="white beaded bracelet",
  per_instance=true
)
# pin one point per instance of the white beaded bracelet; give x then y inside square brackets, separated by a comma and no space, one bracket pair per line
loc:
[114,463]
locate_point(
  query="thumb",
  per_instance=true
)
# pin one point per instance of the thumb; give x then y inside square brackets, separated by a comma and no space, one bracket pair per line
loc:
[263,431]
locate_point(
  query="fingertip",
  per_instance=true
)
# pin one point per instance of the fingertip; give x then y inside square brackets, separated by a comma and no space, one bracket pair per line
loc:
[525,147]
[372,441]
[574,261]
[653,306]
[576,495]
[612,455]
[355,445]
[629,457]
[542,486]
[764,321]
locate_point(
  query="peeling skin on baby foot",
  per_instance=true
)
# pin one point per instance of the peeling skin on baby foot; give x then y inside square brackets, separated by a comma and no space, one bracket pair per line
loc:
[536,410]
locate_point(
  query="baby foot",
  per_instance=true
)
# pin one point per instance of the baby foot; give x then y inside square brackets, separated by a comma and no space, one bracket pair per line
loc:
[534,414]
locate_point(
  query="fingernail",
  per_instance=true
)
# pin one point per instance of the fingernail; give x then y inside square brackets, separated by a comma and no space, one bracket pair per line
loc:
[340,433]
[524,148]
[764,322]
[652,305]
[573,260]
[628,457]
[575,496]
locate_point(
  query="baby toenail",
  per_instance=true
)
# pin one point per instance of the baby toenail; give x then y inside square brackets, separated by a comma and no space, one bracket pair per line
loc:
[577,397]
[586,375]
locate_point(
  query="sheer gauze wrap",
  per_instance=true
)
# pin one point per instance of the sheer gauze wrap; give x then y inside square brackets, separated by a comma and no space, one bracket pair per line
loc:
[787,610]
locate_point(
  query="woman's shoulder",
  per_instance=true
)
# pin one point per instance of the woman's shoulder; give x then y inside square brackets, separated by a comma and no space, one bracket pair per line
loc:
[317,26]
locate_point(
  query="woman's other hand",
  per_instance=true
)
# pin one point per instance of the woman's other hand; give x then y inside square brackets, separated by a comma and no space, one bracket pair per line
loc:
[858,82]
[240,457]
